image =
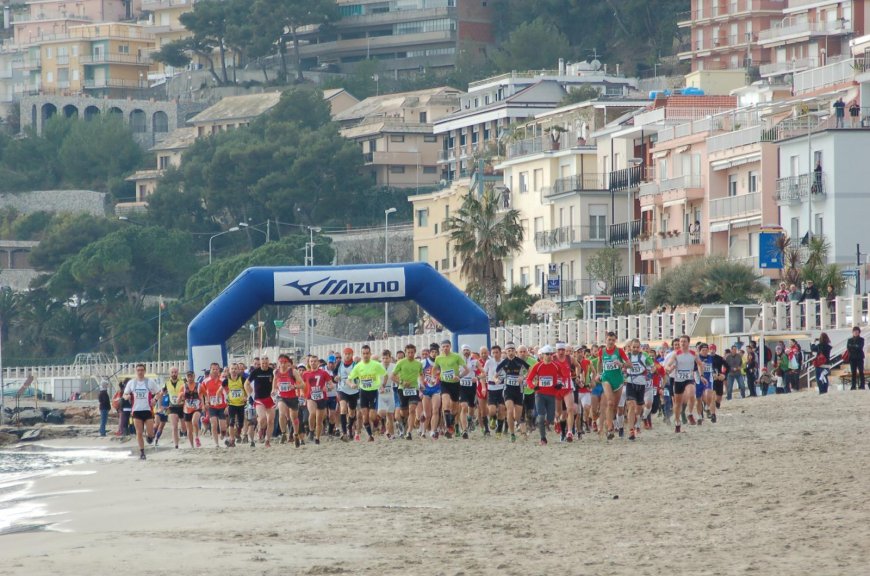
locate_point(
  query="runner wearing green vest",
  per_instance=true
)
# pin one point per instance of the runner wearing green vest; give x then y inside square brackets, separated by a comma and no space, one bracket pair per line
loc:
[408,376]
[611,362]
[369,376]
[449,368]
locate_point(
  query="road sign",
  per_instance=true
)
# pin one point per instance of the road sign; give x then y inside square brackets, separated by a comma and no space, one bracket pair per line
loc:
[769,254]
[278,323]
[553,285]
[312,322]
[849,273]
[294,328]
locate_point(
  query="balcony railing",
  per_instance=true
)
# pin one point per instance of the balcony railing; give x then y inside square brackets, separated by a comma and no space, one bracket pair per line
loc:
[576,183]
[796,188]
[789,67]
[115,59]
[680,239]
[779,32]
[731,8]
[681,182]
[156,4]
[568,236]
[447,155]
[823,76]
[637,282]
[625,179]
[733,206]
[619,232]
[730,140]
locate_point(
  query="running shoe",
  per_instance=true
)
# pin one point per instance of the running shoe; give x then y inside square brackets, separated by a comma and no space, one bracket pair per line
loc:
[622,432]
[448,434]
[253,444]
[558,428]
[492,422]
[310,436]
[149,439]
[543,442]
[296,441]
[344,438]
[497,435]
[317,441]
[465,435]
[284,439]
[142,455]
[371,438]
[569,437]
[433,435]
[610,435]
[700,421]
[409,436]
[631,435]
[692,420]
[356,437]
[198,445]
[677,429]
[595,426]
[513,437]
[713,418]
[685,420]
[486,434]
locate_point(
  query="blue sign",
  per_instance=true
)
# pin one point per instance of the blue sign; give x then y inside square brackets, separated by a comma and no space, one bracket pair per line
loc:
[769,254]
[553,285]
[849,273]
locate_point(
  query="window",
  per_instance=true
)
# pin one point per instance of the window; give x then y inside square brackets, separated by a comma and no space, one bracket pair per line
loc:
[819,231]
[539,224]
[423,254]
[474,136]
[75,74]
[397,137]
[753,182]
[430,170]
[795,227]
[524,182]
[732,185]
[75,50]
[597,227]
[397,169]
[49,76]
[817,159]
[163,162]
[48,52]
[422,217]
[524,276]
[430,138]
[462,139]
[539,178]
[123,49]
[539,273]
[423,117]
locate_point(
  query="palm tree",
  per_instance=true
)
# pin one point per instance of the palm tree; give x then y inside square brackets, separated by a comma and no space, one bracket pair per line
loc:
[483,236]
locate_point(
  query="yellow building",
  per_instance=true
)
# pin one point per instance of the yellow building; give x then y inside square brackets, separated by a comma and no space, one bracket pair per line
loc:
[97,59]
[431,241]
[165,24]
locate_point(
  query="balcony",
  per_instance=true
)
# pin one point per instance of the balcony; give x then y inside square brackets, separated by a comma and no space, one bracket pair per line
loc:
[637,282]
[735,206]
[445,156]
[152,5]
[373,43]
[824,76]
[541,144]
[576,183]
[789,67]
[134,59]
[686,187]
[730,10]
[647,190]
[793,189]
[568,237]
[625,179]
[791,30]
[735,139]
[680,244]
[112,83]
[619,232]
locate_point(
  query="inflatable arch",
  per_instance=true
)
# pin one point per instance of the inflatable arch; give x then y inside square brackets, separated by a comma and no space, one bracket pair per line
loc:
[256,287]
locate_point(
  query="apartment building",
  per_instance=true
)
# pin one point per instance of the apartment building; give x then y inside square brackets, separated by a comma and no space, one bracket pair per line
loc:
[725,34]
[164,22]
[395,133]
[406,37]
[431,239]
[37,20]
[233,112]
[493,108]
[103,60]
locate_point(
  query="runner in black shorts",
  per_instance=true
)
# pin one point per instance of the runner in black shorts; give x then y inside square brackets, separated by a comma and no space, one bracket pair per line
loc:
[510,372]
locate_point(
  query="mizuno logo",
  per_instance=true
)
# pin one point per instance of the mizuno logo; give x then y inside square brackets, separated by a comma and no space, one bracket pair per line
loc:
[333,287]
[305,289]
[339,285]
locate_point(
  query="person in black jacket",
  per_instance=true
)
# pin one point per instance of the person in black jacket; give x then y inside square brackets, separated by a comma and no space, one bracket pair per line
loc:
[822,362]
[810,292]
[855,348]
[105,406]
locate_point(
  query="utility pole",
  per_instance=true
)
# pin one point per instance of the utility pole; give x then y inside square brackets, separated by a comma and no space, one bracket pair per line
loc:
[859,269]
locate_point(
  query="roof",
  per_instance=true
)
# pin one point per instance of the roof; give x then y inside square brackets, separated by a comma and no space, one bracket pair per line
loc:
[331,93]
[238,108]
[392,104]
[144,175]
[388,126]
[546,93]
[178,139]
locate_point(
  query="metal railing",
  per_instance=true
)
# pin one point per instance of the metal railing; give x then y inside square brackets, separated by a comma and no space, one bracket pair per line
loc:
[730,140]
[823,76]
[568,236]
[619,232]
[115,59]
[732,206]
[787,67]
[795,188]
[778,30]
[679,240]
[576,183]
[626,178]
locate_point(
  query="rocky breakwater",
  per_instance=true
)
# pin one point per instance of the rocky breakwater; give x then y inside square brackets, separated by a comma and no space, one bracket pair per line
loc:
[52,421]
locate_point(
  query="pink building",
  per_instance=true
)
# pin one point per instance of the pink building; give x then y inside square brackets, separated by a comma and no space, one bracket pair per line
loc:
[725,33]
[39,20]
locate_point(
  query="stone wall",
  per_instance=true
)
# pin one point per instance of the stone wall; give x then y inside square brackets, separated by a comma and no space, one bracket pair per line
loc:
[17,280]
[75,201]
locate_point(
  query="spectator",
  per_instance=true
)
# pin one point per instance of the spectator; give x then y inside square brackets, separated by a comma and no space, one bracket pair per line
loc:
[793,294]
[734,362]
[817,181]
[795,361]
[810,292]
[782,362]
[854,112]
[781,294]
[751,369]
[855,350]
[839,112]
[831,299]
[105,406]
[821,362]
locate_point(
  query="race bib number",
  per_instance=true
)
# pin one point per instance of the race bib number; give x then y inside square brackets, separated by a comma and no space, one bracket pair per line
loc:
[284,387]
[430,383]
[512,381]
[409,391]
[545,381]
[367,383]
[684,375]
[173,399]
[193,403]
[141,394]
[316,394]
[235,394]
[448,375]
[611,365]
[214,399]
[466,382]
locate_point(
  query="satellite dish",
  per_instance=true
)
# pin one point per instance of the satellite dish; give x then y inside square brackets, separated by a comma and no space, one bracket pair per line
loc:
[600,286]
[596,64]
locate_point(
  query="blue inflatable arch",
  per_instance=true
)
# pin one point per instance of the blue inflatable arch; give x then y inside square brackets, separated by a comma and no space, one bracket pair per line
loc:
[257,287]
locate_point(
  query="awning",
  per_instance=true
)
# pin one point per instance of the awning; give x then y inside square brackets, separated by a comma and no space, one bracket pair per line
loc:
[738,161]
[681,202]
[660,154]
[646,208]
[682,149]
[719,226]
[746,222]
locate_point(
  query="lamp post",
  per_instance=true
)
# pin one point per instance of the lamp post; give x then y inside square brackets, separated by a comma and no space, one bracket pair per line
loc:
[266,232]
[309,261]
[233,229]
[387,213]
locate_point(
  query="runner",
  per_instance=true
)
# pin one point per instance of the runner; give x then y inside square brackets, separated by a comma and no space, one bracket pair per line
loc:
[408,376]
[467,389]
[719,378]
[334,429]
[174,390]
[431,399]
[704,394]
[192,409]
[288,382]
[449,368]
[368,375]
[317,383]
[639,372]
[141,392]
[234,385]
[259,384]
[215,401]
[683,362]
[611,363]
[584,369]
[528,392]
[546,378]
[510,373]
[386,396]
[495,400]
[565,396]
[348,396]
[597,390]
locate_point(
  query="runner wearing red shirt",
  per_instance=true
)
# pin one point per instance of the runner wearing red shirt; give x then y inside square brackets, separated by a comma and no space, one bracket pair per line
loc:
[317,383]
[565,404]
[215,399]
[545,377]
[287,382]
[581,382]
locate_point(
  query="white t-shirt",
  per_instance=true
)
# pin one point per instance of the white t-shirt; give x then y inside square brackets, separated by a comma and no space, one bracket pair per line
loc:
[491,374]
[141,389]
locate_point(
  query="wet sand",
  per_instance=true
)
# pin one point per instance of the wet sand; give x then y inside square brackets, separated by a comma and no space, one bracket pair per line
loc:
[778,486]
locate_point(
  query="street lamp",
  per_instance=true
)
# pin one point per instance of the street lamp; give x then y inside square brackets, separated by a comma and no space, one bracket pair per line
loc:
[387,213]
[309,261]
[233,229]
[266,232]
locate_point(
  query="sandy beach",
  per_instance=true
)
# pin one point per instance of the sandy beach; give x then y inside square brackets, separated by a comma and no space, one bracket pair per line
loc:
[779,486]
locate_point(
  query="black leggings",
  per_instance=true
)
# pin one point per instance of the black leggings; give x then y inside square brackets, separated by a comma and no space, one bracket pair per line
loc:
[856,366]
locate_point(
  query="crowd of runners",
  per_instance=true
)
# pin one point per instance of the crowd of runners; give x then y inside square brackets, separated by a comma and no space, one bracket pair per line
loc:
[511,392]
